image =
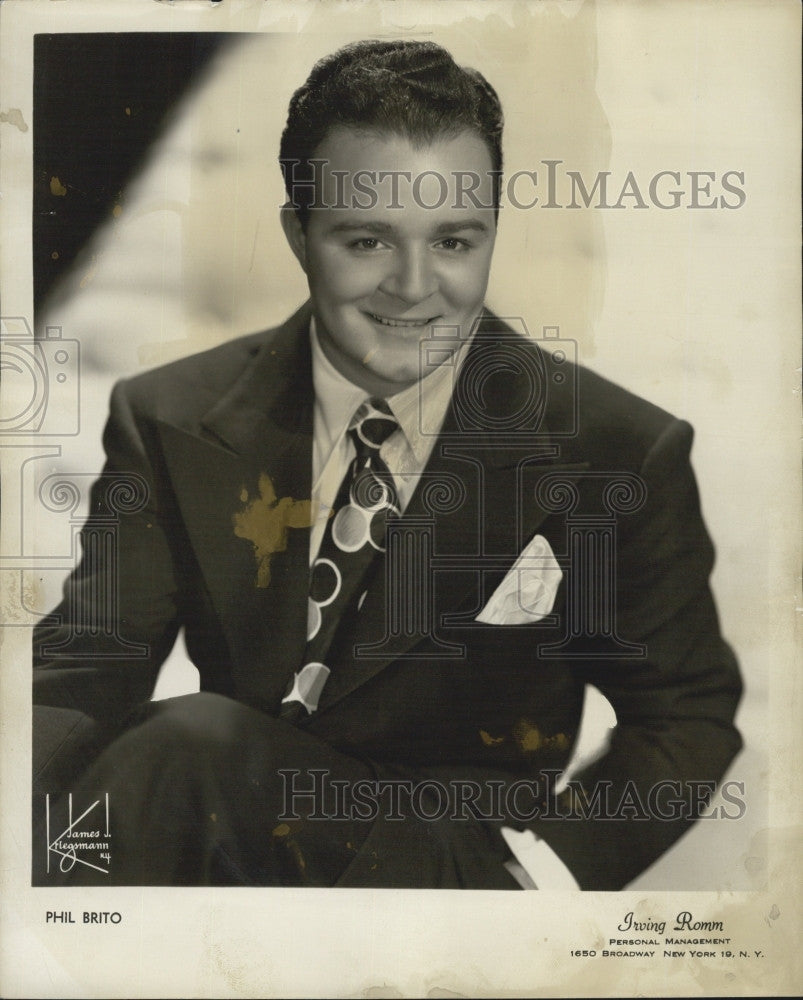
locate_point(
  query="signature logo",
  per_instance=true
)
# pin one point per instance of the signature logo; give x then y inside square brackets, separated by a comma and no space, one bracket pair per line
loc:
[83,839]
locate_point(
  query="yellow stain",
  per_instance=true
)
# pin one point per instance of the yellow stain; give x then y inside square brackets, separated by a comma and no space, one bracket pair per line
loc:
[90,274]
[281,830]
[490,741]
[299,857]
[117,211]
[14,117]
[529,738]
[57,188]
[265,522]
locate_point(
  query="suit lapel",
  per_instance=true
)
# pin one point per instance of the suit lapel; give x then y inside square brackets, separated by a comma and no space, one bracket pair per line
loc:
[268,410]
[255,441]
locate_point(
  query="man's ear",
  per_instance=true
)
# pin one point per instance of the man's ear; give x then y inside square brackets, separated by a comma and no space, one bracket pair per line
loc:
[295,234]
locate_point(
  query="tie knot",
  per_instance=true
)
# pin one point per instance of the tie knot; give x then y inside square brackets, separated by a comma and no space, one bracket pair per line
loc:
[373,424]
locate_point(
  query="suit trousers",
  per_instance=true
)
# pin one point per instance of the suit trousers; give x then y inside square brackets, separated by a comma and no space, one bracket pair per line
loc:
[201,793]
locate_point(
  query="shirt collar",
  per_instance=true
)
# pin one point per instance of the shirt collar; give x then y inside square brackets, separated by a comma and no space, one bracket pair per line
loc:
[420,408]
[336,399]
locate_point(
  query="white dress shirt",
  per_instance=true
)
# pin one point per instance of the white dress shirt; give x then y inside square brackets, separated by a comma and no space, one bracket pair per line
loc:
[406,453]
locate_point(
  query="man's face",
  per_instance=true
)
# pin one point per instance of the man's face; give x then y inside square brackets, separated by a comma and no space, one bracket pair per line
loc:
[381,277]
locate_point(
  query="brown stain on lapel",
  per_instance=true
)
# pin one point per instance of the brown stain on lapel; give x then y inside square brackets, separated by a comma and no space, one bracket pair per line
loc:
[266,520]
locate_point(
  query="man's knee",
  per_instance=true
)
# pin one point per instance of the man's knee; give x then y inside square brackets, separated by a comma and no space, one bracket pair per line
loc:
[202,723]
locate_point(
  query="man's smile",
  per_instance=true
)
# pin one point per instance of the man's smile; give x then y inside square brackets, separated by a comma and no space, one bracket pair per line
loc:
[391,321]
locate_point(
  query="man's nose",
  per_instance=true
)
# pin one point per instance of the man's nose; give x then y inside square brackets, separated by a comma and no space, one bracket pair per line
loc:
[412,277]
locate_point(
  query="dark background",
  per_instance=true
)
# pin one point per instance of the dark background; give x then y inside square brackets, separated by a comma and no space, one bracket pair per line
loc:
[100,100]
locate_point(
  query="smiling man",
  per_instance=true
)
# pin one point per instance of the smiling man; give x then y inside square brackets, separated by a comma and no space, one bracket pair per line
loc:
[369,523]
[381,277]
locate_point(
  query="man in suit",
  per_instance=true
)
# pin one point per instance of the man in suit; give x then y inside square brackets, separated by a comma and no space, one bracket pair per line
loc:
[401,539]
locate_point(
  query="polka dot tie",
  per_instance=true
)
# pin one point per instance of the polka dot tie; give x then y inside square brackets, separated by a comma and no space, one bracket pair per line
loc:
[354,536]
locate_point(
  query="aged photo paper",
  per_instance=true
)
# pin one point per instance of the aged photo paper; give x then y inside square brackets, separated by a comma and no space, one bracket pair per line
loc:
[649,230]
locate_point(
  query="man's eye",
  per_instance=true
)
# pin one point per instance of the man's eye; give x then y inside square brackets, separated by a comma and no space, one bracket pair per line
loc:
[453,243]
[365,243]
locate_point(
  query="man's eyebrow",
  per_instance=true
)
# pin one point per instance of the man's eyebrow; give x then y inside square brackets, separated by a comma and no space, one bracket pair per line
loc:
[472,225]
[383,228]
[362,227]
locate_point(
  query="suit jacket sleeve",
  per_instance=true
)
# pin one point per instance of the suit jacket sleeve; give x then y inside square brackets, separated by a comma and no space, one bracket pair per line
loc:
[674,707]
[91,670]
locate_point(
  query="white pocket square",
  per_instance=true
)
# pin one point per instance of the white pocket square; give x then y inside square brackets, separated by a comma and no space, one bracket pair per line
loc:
[527,592]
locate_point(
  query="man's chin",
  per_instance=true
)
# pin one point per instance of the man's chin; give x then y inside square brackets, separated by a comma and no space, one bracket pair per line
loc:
[385,383]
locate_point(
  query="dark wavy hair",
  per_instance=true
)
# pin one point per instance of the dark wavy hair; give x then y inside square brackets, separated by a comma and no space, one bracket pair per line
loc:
[413,89]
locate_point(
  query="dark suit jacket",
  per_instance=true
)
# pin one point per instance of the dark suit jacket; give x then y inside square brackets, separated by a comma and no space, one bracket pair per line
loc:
[200,431]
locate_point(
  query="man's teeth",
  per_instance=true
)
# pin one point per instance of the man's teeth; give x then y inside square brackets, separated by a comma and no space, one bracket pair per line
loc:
[399,322]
